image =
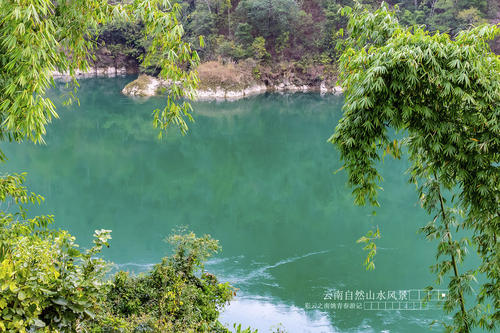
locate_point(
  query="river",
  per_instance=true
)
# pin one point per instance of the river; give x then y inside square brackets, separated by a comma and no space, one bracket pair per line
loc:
[256,174]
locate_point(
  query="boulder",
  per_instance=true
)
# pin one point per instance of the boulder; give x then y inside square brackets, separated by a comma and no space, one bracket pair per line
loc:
[144,86]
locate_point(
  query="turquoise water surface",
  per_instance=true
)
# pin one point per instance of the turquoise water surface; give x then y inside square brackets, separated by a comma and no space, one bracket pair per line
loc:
[256,174]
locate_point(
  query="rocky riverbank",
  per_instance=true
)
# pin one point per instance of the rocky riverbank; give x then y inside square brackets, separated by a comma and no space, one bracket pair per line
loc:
[93,72]
[220,81]
[105,64]
[146,86]
[235,81]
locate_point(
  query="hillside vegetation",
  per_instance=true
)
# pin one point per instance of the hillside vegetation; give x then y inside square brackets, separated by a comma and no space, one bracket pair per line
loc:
[302,34]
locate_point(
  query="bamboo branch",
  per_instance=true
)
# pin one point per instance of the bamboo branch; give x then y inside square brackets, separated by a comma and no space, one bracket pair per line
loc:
[453,261]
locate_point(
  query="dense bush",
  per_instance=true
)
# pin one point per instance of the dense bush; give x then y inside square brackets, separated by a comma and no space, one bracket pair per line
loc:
[177,295]
[46,281]
[48,284]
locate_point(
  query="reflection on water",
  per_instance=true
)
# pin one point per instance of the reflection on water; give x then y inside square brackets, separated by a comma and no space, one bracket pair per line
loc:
[258,175]
[271,316]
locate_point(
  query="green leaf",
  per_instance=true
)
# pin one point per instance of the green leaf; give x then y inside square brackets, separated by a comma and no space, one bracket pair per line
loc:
[38,322]
[60,301]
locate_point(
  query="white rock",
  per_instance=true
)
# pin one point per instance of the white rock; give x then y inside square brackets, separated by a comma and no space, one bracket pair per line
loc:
[145,86]
[92,72]
[222,94]
[322,88]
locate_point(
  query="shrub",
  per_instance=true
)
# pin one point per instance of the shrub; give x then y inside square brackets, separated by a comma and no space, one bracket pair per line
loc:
[259,49]
[177,295]
[46,281]
[228,49]
[48,284]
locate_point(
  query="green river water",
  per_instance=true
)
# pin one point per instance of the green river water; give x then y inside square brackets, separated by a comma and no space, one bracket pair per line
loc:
[256,174]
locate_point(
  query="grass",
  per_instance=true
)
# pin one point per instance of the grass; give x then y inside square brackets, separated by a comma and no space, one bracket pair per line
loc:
[230,76]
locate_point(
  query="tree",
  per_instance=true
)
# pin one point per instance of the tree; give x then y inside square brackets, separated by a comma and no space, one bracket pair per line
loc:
[259,49]
[469,17]
[177,295]
[443,96]
[243,34]
[268,18]
[331,25]
[45,36]
[202,22]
